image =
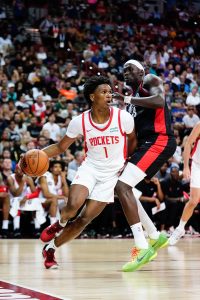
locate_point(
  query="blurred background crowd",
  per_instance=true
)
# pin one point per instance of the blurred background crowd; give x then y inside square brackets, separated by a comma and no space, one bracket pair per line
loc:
[47,51]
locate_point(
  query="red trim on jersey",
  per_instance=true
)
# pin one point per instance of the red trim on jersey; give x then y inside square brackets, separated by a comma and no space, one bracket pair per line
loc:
[195,147]
[119,122]
[101,129]
[122,133]
[159,123]
[84,133]
[153,152]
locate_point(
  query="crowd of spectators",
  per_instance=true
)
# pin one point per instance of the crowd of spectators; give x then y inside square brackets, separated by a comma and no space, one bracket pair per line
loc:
[48,50]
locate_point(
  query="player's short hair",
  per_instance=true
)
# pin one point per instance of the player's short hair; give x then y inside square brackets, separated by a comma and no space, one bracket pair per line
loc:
[91,84]
[55,162]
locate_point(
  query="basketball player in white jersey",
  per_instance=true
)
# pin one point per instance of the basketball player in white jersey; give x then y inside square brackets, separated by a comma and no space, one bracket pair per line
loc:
[53,189]
[191,150]
[21,188]
[105,130]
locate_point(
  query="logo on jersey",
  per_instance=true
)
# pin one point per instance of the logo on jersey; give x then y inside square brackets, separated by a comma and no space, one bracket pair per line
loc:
[104,140]
[131,109]
[114,129]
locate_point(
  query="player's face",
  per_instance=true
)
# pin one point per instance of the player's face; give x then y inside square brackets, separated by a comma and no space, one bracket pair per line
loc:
[56,169]
[102,96]
[132,74]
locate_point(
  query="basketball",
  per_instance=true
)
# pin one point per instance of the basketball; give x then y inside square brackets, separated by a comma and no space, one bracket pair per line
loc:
[34,163]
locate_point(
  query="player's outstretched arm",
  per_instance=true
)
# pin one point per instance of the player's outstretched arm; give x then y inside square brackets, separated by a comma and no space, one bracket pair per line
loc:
[153,87]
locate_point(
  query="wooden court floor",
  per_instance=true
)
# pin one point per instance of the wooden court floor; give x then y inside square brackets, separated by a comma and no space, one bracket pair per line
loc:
[91,270]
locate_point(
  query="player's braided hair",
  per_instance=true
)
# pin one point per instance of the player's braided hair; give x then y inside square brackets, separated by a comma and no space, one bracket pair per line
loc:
[91,84]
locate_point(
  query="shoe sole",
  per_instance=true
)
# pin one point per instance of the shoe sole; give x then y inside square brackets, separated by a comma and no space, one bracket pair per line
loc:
[54,267]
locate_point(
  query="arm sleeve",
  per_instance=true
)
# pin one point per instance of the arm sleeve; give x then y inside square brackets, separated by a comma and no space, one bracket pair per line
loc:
[75,127]
[127,122]
[33,195]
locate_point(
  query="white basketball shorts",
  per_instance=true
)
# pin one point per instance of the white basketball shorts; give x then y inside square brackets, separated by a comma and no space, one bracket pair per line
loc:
[195,175]
[100,185]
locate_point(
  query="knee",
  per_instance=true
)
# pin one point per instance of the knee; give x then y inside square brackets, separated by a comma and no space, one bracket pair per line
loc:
[122,189]
[54,201]
[193,202]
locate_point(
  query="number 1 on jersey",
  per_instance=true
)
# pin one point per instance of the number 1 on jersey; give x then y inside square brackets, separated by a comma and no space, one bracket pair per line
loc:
[106,152]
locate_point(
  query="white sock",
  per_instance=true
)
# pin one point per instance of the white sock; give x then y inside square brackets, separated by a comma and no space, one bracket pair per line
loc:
[147,223]
[53,220]
[138,233]
[63,224]
[36,223]
[51,245]
[5,224]
[181,225]
[16,222]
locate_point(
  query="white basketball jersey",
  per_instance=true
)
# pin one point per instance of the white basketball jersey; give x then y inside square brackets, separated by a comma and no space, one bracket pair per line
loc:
[52,187]
[25,190]
[196,151]
[105,147]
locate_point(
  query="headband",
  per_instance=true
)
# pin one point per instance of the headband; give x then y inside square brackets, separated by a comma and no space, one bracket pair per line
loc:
[136,63]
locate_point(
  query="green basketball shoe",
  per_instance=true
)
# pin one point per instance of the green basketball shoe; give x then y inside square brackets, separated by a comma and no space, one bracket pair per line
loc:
[161,242]
[139,258]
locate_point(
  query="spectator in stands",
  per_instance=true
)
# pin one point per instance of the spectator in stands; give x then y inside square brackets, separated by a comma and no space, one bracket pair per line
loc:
[173,189]
[39,108]
[194,97]
[163,172]
[34,128]
[151,197]
[190,119]
[6,169]
[74,165]
[53,128]
[42,142]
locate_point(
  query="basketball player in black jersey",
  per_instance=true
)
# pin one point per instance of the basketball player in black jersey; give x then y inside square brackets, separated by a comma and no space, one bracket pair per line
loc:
[156,144]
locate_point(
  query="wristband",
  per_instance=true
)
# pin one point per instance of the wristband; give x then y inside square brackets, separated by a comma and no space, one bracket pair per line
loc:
[127,99]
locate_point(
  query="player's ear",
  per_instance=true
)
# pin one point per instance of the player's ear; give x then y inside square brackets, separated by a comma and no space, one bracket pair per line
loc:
[142,73]
[92,97]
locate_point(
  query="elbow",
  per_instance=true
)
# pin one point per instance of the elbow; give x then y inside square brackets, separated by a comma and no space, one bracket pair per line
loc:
[161,101]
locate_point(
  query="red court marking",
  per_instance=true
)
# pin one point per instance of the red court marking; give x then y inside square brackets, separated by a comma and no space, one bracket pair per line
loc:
[16,291]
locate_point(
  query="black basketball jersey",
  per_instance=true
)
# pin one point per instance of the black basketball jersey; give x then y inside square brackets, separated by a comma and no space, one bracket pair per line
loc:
[150,121]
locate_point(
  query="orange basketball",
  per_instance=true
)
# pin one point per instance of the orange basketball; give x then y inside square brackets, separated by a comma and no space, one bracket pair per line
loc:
[34,163]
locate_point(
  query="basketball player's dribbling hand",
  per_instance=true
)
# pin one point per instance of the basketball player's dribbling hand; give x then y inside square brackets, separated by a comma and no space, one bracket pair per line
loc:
[186,173]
